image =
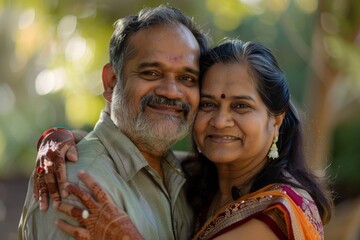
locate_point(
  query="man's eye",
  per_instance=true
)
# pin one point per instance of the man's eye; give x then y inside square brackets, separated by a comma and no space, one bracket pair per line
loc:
[150,75]
[188,80]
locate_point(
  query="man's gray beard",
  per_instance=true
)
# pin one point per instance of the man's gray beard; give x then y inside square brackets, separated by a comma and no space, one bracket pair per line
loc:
[155,136]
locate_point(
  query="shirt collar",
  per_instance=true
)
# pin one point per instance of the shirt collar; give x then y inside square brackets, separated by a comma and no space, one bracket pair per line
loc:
[126,156]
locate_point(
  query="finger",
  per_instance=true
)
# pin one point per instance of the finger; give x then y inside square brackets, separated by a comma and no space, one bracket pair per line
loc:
[35,185]
[74,231]
[60,174]
[43,199]
[35,177]
[72,153]
[43,192]
[59,160]
[87,200]
[99,193]
[51,181]
[70,210]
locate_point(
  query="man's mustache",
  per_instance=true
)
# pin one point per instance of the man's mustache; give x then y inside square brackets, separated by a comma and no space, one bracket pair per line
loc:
[156,100]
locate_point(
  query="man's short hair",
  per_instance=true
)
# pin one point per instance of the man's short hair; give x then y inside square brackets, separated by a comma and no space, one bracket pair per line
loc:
[125,27]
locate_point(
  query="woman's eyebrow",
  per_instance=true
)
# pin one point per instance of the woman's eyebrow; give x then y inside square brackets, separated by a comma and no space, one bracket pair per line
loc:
[240,97]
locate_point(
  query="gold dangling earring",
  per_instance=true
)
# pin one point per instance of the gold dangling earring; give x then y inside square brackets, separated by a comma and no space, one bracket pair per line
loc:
[273,153]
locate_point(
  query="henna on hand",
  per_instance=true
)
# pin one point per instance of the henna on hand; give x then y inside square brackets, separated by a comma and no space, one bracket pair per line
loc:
[105,221]
[40,187]
[74,231]
[50,174]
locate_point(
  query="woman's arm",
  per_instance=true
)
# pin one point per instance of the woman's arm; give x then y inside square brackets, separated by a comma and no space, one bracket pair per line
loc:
[101,219]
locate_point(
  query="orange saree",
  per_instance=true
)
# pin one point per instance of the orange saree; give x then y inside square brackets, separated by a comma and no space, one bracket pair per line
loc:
[290,214]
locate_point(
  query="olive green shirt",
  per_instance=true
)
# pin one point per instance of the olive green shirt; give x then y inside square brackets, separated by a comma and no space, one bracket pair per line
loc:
[157,206]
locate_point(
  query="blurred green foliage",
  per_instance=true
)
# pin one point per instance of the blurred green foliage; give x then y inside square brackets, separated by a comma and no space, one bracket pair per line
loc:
[345,162]
[52,52]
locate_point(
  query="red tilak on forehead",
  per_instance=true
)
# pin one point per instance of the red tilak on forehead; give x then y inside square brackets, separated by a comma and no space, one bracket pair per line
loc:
[223,95]
[174,58]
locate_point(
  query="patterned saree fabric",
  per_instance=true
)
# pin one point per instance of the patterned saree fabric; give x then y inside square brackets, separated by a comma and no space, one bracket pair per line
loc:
[289,212]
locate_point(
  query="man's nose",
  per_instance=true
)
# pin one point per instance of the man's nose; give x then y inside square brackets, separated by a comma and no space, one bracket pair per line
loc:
[170,88]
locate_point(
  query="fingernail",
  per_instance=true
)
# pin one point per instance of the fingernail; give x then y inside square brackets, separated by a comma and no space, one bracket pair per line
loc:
[81,172]
[56,222]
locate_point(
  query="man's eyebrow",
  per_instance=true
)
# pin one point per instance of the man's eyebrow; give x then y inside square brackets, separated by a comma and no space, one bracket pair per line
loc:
[149,64]
[192,71]
[158,64]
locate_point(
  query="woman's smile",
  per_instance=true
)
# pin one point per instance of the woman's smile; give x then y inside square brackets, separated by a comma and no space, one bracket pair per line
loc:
[221,138]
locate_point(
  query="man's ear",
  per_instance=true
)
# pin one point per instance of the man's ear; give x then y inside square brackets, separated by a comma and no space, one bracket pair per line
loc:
[109,81]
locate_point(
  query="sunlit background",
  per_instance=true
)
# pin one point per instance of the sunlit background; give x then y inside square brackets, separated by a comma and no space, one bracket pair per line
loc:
[52,53]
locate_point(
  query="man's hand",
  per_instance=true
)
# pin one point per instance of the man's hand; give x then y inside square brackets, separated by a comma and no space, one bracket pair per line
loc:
[50,172]
[101,219]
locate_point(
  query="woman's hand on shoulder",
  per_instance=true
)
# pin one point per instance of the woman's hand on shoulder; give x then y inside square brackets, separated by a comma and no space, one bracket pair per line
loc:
[54,147]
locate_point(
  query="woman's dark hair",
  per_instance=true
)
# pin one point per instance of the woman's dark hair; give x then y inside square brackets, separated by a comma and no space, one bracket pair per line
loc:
[272,87]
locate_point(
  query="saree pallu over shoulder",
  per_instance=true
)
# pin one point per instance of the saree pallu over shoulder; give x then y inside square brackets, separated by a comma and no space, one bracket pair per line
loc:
[299,214]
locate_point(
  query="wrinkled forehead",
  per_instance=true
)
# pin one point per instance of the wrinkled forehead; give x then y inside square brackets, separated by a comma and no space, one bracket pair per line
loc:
[176,33]
[174,42]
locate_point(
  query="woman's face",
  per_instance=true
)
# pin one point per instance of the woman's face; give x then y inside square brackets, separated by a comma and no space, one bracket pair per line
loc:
[233,123]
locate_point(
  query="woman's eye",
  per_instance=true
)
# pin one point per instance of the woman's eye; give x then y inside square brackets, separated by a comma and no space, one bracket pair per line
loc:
[206,105]
[241,105]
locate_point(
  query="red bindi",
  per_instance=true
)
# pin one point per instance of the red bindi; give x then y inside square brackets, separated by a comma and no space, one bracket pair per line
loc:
[223,95]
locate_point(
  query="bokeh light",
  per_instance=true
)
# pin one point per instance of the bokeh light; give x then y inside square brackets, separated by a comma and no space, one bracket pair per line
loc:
[50,81]
[67,26]
[83,109]
[7,99]
[307,6]
[329,23]
[75,49]
[26,18]
[227,14]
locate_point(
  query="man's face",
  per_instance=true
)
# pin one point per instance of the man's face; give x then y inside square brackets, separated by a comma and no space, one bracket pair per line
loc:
[158,100]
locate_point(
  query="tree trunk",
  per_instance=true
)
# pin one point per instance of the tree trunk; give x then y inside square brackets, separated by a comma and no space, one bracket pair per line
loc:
[320,119]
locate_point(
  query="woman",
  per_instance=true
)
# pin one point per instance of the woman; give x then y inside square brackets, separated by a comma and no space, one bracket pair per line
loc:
[247,176]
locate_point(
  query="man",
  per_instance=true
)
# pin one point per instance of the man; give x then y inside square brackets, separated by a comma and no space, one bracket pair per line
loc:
[151,89]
